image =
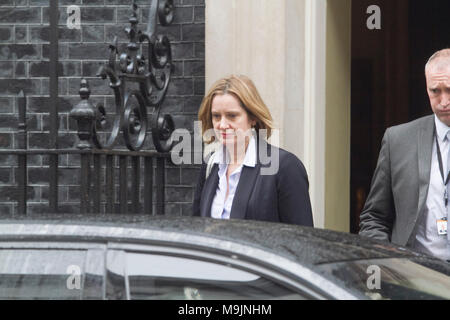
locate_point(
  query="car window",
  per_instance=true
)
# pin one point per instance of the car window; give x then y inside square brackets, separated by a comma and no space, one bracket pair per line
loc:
[393,278]
[156,276]
[43,274]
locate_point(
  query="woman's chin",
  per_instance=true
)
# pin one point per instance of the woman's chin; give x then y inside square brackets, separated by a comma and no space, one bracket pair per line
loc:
[228,142]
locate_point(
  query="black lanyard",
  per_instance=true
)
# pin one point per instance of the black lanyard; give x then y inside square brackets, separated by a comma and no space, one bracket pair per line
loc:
[441,169]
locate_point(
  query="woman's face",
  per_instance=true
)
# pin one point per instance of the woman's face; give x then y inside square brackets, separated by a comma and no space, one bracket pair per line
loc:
[230,121]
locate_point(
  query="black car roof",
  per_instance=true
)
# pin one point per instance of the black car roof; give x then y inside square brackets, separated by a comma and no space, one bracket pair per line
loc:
[304,244]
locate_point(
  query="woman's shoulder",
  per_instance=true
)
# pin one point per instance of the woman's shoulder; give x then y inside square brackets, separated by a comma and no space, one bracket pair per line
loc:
[283,154]
[290,159]
[286,160]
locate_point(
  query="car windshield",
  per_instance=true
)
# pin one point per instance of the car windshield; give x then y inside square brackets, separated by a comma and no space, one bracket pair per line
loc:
[394,278]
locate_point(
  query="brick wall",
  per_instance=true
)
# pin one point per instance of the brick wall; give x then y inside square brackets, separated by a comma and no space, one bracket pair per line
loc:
[24,53]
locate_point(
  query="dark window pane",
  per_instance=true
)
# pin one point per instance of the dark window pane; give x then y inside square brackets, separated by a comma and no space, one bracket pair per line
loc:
[167,277]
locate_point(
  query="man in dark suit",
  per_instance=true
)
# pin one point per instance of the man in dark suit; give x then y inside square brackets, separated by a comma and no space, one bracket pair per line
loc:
[408,200]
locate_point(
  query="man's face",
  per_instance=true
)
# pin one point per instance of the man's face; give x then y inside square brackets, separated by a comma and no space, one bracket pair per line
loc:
[438,88]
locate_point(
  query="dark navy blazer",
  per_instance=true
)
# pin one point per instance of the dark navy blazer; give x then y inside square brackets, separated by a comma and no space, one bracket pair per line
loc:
[281,197]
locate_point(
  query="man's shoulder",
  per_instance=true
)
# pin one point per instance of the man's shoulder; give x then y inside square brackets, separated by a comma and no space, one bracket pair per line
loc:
[412,126]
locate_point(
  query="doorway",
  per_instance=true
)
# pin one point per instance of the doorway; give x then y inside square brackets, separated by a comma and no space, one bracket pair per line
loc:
[387,79]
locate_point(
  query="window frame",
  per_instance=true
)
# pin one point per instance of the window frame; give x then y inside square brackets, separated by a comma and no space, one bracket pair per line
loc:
[268,272]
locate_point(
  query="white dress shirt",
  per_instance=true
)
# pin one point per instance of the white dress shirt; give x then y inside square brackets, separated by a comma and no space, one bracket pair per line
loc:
[427,239]
[221,207]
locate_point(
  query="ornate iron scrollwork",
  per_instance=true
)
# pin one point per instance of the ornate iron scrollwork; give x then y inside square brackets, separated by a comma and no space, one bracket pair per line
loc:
[152,75]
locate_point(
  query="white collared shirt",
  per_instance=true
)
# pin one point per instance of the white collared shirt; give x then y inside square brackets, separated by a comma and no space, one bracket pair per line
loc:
[427,239]
[221,207]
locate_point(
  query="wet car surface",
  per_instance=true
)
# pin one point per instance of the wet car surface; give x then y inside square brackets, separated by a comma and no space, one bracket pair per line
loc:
[145,257]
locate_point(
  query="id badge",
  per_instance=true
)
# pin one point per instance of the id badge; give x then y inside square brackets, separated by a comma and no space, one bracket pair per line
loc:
[442,227]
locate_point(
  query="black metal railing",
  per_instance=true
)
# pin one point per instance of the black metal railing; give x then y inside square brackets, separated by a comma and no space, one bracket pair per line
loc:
[99,154]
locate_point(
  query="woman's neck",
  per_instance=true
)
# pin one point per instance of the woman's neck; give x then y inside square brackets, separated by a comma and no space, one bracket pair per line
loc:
[237,153]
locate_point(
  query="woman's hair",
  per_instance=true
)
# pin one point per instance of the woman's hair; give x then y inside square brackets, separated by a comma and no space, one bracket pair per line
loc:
[242,88]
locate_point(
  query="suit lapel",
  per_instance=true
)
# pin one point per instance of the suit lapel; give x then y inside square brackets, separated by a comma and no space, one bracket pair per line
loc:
[243,191]
[424,150]
[246,185]
[209,190]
